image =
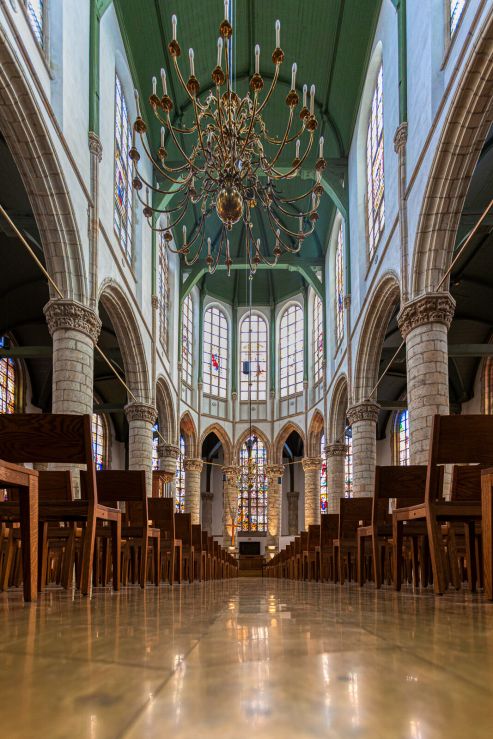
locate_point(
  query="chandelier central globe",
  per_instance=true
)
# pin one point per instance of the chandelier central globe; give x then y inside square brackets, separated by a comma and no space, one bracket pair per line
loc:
[229,205]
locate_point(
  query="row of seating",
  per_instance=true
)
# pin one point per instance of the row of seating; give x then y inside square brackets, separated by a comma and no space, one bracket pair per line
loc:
[112,532]
[421,524]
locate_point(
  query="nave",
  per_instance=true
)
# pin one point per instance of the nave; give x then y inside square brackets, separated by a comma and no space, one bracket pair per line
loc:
[247,657]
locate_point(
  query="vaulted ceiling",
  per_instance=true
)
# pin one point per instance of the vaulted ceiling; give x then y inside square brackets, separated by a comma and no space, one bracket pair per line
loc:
[329,39]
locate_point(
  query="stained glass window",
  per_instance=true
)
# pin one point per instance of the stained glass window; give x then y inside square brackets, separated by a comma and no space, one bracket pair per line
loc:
[187,339]
[323,477]
[123,178]
[215,362]
[163,292]
[7,385]
[180,478]
[318,339]
[252,497]
[98,441]
[374,168]
[155,442]
[291,351]
[456,8]
[339,273]
[35,12]
[253,357]
[402,429]
[348,466]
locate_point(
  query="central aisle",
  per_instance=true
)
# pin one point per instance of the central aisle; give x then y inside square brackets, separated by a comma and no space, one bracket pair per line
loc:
[247,658]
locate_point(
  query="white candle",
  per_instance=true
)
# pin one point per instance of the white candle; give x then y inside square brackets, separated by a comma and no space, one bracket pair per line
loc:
[192,65]
[226,9]
[209,243]
[154,85]
[305,90]
[321,147]
[312,99]
[174,23]
[298,144]
[163,82]
[278,34]
[184,235]
[314,197]
[300,220]
[257,59]
[293,76]
[278,235]
[162,137]
[219,51]
[137,102]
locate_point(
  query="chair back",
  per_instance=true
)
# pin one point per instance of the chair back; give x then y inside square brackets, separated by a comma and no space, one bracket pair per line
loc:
[183,528]
[466,482]
[329,527]
[159,484]
[125,486]
[303,540]
[55,485]
[205,541]
[405,484]
[162,515]
[197,537]
[351,512]
[313,536]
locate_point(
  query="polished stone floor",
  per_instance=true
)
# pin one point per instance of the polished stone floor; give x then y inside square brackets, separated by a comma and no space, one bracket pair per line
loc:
[246,658]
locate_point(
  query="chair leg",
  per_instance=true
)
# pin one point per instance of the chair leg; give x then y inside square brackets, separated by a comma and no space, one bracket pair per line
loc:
[397,537]
[42,555]
[377,563]
[156,551]
[116,551]
[471,555]
[88,554]
[144,550]
[435,544]
[415,560]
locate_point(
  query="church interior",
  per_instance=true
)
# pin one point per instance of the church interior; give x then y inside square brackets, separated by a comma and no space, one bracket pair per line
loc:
[246,368]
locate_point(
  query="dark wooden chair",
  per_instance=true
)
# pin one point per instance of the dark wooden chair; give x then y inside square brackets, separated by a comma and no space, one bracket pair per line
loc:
[461,440]
[183,528]
[353,512]
[311,561]
[207,555]
[199,554]
[64,439]
[329,528]
[162,515]
[301,543]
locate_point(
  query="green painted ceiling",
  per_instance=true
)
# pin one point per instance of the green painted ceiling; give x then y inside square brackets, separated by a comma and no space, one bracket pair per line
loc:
[330,41]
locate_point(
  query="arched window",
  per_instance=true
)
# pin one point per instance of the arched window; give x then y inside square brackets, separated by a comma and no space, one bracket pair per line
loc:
[99,442]
[291,343]
[187,339]
[36,15]
[402,437]
[348,465]
[374,168]
[163,293]
[455,11]
[123,177]
[253,357]
[215,364]
[252,498]
[318,339]
[155,442]
[339,275]
[323,477]
[7,384]
[180,477]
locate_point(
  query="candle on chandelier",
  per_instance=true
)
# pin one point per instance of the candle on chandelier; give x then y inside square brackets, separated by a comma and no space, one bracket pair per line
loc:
[293,75]
[137,103]
[278,235]
[257,59]
[305,90]
[312,99]
[300,222]
[314,198]
[192,65]
[258,246]
[226,9]
[219,51]
[321,147]
[174,23]
[163,82]
[184,235]
[154,85]
[209,246]
[298,144]
[162,137]
[278,34]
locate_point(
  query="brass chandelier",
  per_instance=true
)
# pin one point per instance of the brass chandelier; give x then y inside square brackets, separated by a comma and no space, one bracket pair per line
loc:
[233,164]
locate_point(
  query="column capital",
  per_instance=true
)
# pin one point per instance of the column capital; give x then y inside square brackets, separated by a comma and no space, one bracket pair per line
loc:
[69,314]
[366,411]
[168,450]
[95,145]
[274,471]
[231,473]
[311,463]
[141,412]
[431,308]
[193,465]
[336,450]
[293,496]
[400,137]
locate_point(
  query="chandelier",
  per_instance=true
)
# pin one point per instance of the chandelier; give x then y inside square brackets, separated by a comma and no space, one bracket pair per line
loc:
[233,163]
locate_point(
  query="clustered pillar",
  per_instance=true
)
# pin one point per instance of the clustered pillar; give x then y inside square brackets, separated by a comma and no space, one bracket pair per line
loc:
[141,418]
[193,470]
[363,419]
[274,477]
[424,323]
[312,467]
[231,473]
[336,459]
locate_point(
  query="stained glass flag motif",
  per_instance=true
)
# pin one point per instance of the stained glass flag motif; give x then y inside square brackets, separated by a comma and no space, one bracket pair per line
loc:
[215,362]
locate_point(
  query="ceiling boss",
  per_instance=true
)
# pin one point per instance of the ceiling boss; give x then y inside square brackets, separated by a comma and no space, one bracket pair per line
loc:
[230,164]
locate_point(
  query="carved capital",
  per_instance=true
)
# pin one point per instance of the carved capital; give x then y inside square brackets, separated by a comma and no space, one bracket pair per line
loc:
[400,137]
[231,473]
[431,308]
[141,412]
[366,411]
[311,463]
[193,465]
[273,472]
[336,450]
[68,314]
[168,450]
[95,145]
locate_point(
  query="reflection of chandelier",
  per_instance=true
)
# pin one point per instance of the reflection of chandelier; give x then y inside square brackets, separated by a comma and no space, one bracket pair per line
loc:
[234,163]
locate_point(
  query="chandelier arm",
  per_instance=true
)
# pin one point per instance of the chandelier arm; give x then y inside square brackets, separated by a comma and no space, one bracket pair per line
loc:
[183,83]
[175,140]
[294,199]
[157,189]
[158,166]
[181,217]
[199,230]
[168,210]
[163,122]
[272,87]
[285,137]
[212,269]
[220,139]
[287,231]
[252,123]
[276,142]
[275,174]
[199,129]
[302,214]
[191,262]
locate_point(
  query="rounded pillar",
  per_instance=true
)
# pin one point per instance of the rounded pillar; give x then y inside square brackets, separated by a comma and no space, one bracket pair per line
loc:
[141,418]
[167,455]
[293,500]
[336,459]
[193,470]
[312,467]
[274,474]
[230,515]
[363,419]
[207,500]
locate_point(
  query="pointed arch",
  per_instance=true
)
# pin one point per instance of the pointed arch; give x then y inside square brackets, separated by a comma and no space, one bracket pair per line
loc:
[244,436]
[189,432]
[315,432]
[166,410]
[219,431]
[281,438]
[338,409]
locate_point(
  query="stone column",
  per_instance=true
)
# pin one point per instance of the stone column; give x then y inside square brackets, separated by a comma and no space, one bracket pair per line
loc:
[336,458]
[312,467]
[274,473]
[167,455]
[424,323]
[193,470]
[141,418]
[293,499]
[74,329]
[207,499]
[230,502]
[363,419]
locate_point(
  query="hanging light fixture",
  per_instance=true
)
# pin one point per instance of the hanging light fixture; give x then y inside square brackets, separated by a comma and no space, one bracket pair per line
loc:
[233,162]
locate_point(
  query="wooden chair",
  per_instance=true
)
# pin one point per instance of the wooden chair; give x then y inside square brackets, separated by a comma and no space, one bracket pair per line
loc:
[183,528]
[65,439]
[207,555]
[454,440]
[310,566]
[199,554]
[405,484]
[162,515]
[352,511]
[329,527]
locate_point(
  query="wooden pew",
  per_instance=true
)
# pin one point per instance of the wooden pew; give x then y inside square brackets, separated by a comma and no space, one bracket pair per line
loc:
[199,554]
